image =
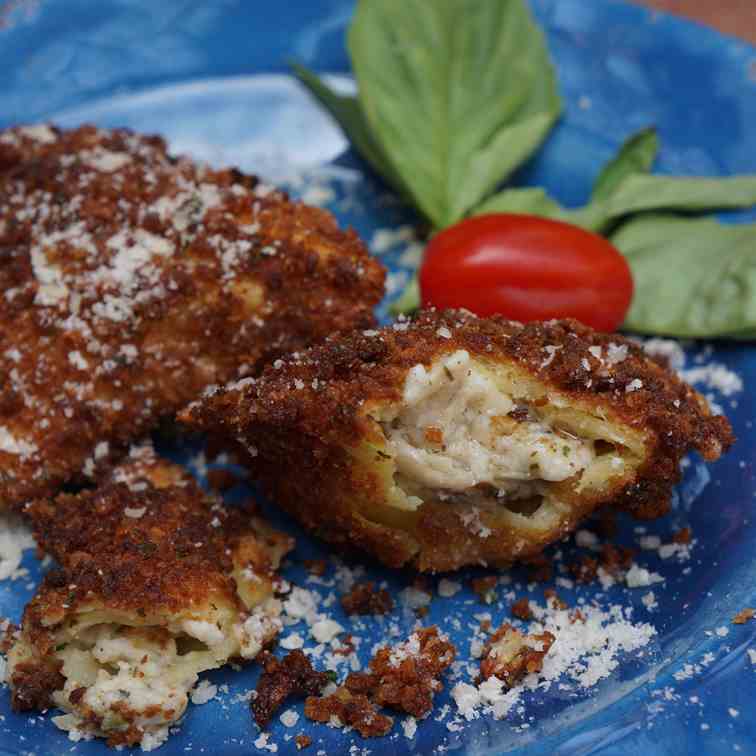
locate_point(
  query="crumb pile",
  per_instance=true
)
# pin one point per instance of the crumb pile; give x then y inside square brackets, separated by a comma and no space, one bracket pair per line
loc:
[404,677]
[577,648]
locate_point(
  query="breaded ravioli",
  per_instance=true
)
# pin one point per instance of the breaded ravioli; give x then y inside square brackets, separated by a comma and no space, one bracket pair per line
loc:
[131,280]
[157,581]
[453,440]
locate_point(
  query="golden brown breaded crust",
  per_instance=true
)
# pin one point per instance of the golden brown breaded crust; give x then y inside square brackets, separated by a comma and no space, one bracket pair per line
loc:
[510,654]
[300,416]
[132,280]
[140,546]
[365,598]
[148,543]
[350,710]
[291,676]
[406,677]
[33,683]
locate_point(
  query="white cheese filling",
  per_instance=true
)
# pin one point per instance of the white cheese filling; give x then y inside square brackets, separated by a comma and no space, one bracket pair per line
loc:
[258,628]
[453,432]
[142,676]
[131,675]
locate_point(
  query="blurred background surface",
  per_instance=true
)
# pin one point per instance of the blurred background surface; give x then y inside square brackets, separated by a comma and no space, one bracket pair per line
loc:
[736,17]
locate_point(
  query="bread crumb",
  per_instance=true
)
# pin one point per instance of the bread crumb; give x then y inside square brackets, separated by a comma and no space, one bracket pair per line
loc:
[743,616]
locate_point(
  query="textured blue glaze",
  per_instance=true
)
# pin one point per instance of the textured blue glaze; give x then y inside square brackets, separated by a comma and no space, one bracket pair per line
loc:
[209,76]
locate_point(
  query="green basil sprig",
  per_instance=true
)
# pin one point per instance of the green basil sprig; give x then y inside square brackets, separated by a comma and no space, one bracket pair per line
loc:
[624,188]
[453,96]
[348,113]
[637,155]
[694,277]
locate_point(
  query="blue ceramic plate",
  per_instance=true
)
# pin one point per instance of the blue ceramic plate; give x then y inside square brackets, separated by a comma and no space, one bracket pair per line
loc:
[212,78]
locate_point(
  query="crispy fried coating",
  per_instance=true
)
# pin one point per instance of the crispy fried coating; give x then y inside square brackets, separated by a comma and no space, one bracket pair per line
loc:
[156,582]
[485,588]
[350,710]
[365,598]
[454,440]
[521,609]
[293,675]
[510,654]
[132,280]
[406,677]
[742,617]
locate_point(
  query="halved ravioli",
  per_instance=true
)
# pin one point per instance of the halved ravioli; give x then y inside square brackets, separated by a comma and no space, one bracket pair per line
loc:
[454,440]
[157,582]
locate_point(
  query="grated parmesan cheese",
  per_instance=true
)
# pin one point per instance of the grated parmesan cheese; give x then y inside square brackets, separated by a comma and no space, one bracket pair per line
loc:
[716,377]
[12,445]
[204,692]
[325,630]
[289,718]
[639,577]
[41,133]
[292,641]
[634,385]
[15,538]
[409,725]
[448,588]
[583,653]
[105,160]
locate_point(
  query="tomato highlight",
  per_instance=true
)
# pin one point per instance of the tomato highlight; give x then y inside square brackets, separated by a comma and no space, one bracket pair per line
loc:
[527,268]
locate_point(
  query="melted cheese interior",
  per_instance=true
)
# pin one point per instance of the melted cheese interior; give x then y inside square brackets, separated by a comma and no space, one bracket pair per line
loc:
[469,432]
[129,676]
[454,433]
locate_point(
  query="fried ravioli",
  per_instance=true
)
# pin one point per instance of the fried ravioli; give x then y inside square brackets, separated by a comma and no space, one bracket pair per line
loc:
[454,440]
[157,582]
[131,280]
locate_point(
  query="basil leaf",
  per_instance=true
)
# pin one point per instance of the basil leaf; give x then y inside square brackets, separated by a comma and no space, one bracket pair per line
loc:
[637,155]
[693,277]
[457,92]
[639,193]
[409,300]
[534,201]
[528,200]
[636,194]
[346,110]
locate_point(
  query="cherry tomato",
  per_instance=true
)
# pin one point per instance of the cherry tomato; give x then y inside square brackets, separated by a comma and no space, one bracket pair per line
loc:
[527,268]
